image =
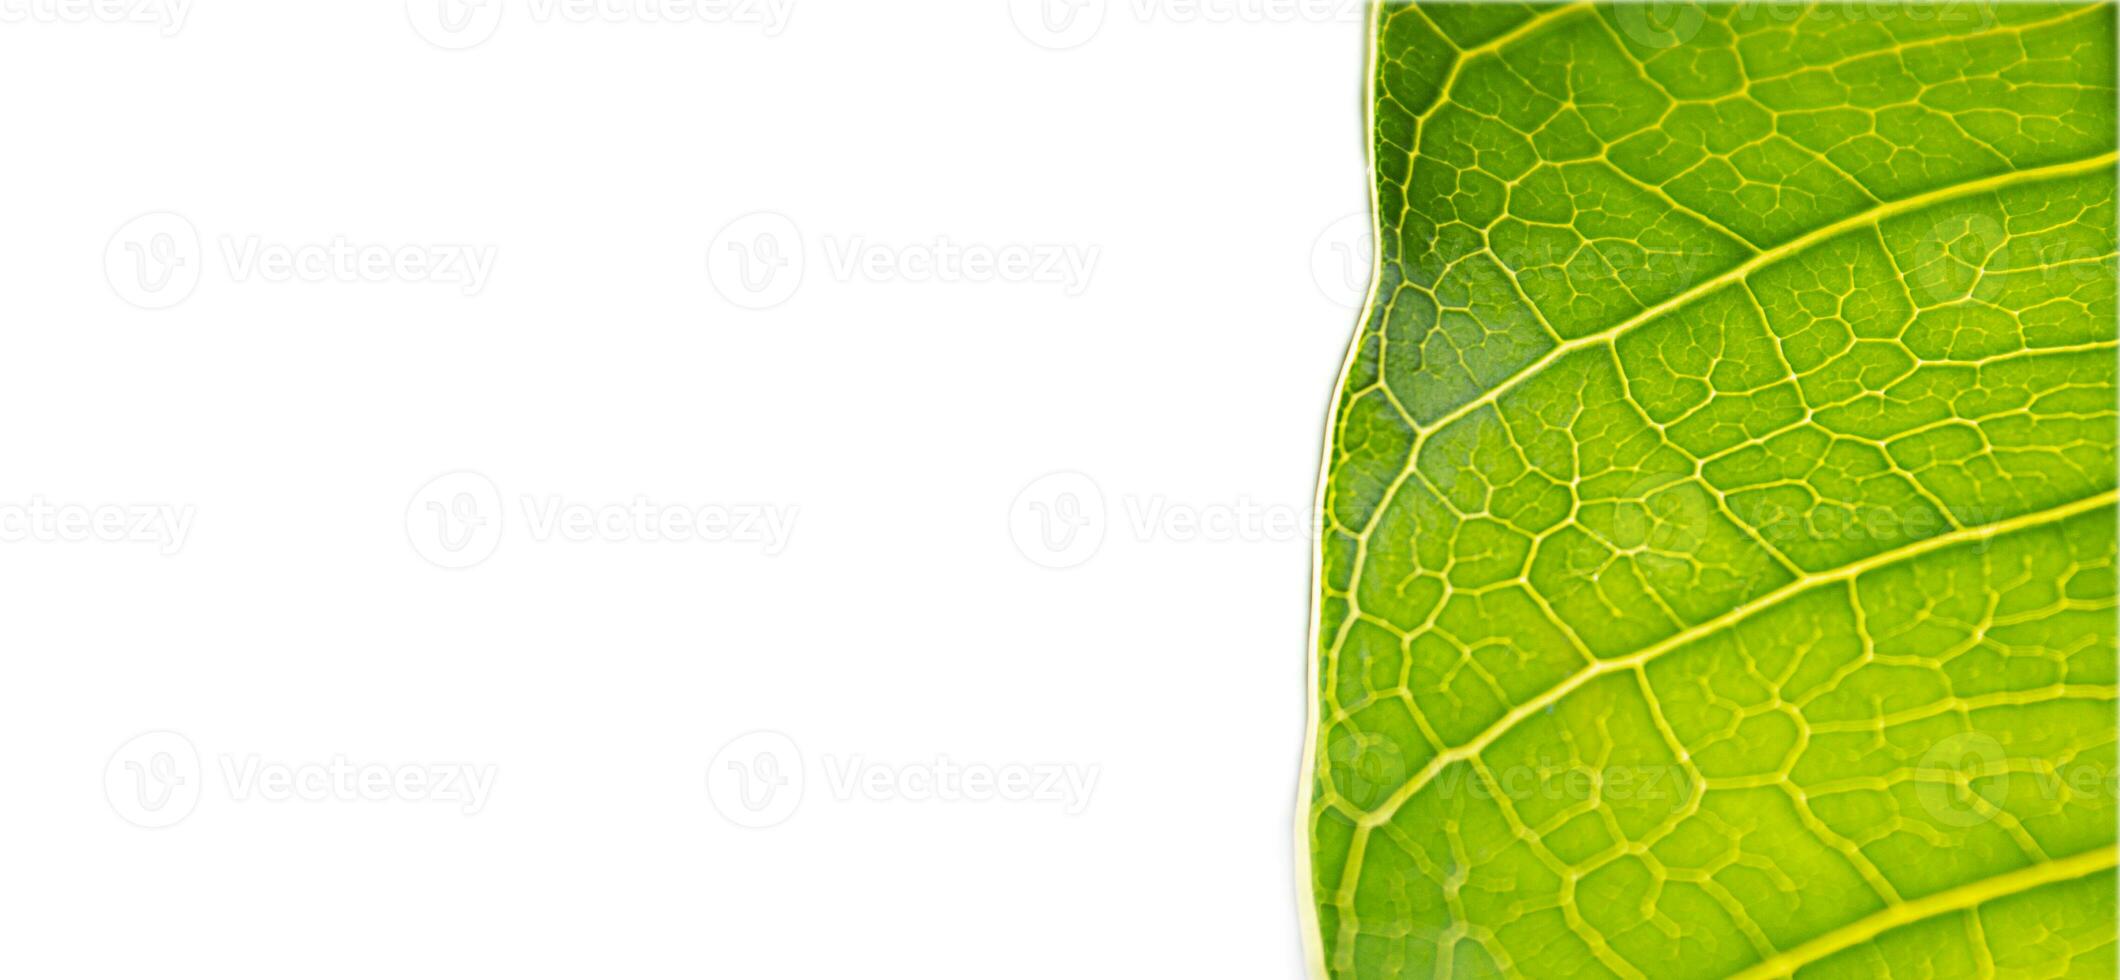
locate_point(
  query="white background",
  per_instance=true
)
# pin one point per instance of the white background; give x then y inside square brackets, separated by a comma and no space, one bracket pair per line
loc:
[904,423]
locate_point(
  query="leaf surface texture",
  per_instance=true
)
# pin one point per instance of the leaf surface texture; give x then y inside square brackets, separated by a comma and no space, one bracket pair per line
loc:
[1717,574]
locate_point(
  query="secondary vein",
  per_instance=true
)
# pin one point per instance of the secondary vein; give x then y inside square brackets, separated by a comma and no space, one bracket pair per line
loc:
[1758,261]
[1479,743]
[1966,896]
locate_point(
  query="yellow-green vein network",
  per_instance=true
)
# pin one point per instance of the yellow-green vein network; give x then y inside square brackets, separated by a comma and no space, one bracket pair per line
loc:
[1717,574]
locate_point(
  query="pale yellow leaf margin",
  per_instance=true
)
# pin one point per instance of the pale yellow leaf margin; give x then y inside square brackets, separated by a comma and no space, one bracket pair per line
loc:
[1306,889]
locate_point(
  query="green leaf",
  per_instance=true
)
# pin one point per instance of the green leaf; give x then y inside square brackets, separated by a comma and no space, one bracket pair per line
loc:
[1718,564]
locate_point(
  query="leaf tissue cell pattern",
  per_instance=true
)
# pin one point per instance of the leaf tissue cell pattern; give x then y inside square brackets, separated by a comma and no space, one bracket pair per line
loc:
[1718,565]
